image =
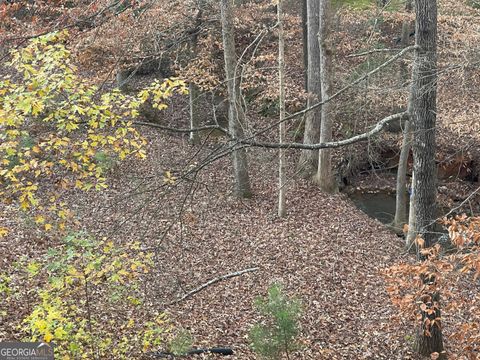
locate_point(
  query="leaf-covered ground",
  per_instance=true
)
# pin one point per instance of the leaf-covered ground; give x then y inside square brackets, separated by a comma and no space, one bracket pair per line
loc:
[326,252]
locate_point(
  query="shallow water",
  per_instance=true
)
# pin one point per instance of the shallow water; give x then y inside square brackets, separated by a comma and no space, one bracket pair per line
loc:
[379,205]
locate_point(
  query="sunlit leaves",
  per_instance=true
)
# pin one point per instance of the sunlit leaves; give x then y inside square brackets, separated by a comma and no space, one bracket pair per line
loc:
[54,124]
[85,270]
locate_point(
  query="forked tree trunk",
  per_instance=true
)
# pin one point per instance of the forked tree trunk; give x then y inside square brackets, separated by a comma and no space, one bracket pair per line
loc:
[281,75]
[325,177]
[236,115]
[309,158]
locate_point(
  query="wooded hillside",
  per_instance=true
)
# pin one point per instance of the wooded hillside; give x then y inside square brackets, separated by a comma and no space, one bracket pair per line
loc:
[251,178]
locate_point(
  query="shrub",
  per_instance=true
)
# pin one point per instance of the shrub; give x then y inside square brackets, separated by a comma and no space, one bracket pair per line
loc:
[276,336]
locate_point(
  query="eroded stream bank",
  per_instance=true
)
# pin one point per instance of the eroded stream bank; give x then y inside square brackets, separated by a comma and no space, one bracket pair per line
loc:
[372,187]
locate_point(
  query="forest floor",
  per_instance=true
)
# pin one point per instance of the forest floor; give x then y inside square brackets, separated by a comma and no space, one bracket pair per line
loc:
[326,252]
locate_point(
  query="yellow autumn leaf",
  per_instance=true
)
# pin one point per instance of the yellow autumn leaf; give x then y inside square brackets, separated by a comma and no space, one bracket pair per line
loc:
[48,227]
[39,219]
[62,214]
[25,204]
[41,325]
[3,231]
[60,333]
[48,337]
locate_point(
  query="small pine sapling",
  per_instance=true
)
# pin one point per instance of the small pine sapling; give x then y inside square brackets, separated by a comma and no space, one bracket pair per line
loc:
[181,344]
[277,335]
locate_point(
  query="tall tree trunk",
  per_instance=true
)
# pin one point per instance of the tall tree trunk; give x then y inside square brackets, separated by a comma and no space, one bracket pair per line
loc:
[236,115]
[309,158]
[194,93]
[325,177]
[305,42]
[401,189]
[424,98]
[281,75]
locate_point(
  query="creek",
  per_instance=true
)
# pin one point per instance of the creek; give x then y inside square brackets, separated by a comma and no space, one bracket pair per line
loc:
[378,205]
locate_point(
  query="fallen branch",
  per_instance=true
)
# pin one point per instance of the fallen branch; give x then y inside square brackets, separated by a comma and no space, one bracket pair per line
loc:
[211,282]
[219,351]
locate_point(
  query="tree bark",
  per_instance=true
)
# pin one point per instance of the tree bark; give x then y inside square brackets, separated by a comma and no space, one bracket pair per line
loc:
[309,159]
[412,233]
[429,334]
[325,178]
[402,193]
[193,90]
[236,114]
[305,42]
[401,189]
[281,75]
[424,95]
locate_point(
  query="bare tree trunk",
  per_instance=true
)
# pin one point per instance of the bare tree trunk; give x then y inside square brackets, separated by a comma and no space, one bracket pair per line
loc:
[305,42]
[309,159]
[412,232]
[193,90]
[402,194]
[236,114]
[429,336]
[281,75]
[325,177]
[401,190]
[424,96]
